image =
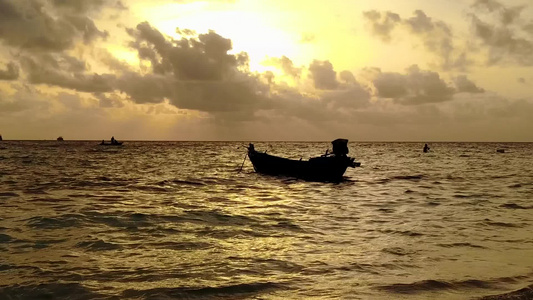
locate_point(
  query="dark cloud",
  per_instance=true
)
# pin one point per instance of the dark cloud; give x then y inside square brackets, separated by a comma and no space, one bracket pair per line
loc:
[84,6]
[382,24]
[204,58]
[414,87]
[353,96]
[107,101]
[10,73]
[79,6]
[149,88]
[86,27]
[31,24]
[112,62]
[465,85]
[347,77]
[323,75]
[65,71]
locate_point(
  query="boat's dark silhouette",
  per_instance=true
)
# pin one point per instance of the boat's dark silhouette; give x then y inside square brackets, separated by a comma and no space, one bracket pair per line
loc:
[60,138]
[112,143]
[326,168]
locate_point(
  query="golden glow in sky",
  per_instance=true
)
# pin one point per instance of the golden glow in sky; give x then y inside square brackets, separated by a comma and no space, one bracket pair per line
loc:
[367,70]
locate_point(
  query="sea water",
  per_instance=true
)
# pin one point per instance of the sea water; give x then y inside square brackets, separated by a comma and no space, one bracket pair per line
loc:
[182,220]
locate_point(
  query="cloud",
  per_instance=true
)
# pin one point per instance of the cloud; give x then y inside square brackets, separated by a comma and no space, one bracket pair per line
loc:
[465,85]
[65,71]
[382,24]
[436,36]
[414,87]
[507,40]
[148,88]
[84,6]
[507,15]
[307,38]
[285,64]
[33,25]
[10,73]
[323,75]
[205,58]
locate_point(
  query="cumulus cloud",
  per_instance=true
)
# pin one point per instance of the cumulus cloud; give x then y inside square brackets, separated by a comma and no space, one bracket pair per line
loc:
[10,73]
[414,87]
[205,58]
[323,75]
[382,24]
[465,85]
[285,64]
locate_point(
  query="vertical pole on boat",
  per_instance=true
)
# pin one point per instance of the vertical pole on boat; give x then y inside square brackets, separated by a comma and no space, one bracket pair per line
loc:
[243,162]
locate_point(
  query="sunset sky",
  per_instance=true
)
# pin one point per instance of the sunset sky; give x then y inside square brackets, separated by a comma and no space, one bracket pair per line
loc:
[409,70]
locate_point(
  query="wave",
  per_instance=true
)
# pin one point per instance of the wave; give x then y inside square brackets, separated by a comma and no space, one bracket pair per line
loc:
[435,285]
[244,289]
[500,224]
[515,206]
[9,194]
[50,291]
[98,245]
[522,294]
[453,245]
[63,221]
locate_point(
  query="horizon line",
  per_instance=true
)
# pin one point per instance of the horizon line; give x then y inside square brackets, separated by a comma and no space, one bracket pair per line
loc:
[270,141]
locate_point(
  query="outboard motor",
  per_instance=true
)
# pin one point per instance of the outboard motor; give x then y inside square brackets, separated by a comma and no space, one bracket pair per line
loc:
[340,147]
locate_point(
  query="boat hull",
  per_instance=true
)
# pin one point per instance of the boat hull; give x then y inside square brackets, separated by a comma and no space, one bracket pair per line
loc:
[325,168]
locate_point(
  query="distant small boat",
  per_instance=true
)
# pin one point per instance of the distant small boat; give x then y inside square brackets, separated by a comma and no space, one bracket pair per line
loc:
[60,138]
[0,137]
[500,150]
[111,144]
[325,168]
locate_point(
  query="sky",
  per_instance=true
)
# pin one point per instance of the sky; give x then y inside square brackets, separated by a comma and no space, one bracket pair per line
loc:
[251,70]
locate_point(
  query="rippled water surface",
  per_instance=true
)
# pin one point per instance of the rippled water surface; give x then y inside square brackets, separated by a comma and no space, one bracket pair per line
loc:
[175,220]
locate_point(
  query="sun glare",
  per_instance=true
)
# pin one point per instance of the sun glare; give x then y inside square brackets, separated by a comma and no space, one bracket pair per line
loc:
[249,32]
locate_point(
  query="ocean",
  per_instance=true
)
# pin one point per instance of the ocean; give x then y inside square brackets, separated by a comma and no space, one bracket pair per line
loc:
[181,220]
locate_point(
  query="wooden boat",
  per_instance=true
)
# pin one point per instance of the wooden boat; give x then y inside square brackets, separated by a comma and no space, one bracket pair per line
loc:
[326,168]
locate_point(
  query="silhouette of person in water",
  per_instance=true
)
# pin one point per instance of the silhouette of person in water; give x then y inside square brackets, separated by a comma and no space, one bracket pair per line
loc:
[426,148]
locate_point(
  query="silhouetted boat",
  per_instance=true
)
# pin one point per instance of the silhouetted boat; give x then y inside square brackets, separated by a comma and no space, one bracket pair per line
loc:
[0,137]
[327,168]
[111,144]
[60,138]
